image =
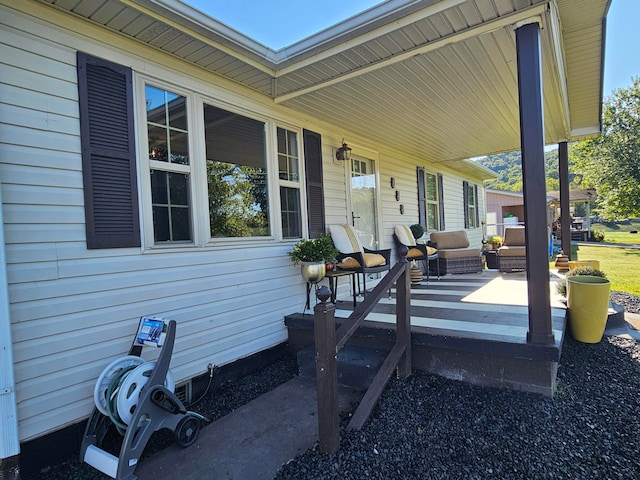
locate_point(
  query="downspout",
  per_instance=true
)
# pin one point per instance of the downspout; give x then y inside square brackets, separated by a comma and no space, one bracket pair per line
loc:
[9,440]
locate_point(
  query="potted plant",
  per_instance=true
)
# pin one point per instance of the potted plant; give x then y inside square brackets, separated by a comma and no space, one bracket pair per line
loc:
[312,255]
[587,290]
[495,241]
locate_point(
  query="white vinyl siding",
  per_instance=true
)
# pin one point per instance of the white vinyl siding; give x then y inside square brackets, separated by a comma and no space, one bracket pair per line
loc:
[74,310]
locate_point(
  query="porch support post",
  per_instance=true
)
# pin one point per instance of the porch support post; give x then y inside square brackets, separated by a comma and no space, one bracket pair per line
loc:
[565,219]
[533,175]
[324,327]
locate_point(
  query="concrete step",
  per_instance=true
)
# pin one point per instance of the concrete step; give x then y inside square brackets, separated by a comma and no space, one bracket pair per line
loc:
[357,366]
[615,317]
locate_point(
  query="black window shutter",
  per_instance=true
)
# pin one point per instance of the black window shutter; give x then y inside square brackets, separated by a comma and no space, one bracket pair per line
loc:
[441,201]
[315,192]
[465,196]
[108,153]
[422,197]
[477,205]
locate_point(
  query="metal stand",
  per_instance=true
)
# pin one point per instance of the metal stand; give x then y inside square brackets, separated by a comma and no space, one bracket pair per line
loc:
[157,408]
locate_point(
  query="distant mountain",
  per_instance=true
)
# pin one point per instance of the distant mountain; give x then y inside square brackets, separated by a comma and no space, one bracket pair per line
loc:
[509,168]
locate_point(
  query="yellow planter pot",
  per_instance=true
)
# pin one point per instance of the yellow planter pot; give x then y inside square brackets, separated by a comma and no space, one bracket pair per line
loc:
[584,263]
[588,303]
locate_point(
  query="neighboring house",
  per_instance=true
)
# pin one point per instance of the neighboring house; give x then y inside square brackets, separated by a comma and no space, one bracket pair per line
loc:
[503,208]
[154,161]
[580,227]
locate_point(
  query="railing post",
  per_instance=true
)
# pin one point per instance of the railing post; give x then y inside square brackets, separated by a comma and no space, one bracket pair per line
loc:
[403,315]
[326,372]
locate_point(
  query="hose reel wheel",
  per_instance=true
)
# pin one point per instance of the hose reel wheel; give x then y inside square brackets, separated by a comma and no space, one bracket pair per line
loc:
[187,431]
[129,393]
[108,375]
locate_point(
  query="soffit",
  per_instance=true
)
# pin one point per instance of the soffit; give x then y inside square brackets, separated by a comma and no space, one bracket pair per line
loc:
[430,78]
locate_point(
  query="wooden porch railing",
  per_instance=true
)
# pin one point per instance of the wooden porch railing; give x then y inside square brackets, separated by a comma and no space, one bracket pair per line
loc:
[329,341]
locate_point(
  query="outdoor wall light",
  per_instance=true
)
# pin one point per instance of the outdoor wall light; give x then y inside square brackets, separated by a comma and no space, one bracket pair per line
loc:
[344,152]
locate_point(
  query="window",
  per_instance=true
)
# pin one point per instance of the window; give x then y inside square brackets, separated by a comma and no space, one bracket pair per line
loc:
[471,212]
[169,165]
[289,175]
[236,165]
[200,164]
[430,200]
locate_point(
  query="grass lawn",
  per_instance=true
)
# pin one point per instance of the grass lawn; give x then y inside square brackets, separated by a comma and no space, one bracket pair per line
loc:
[619,233]
[620,264]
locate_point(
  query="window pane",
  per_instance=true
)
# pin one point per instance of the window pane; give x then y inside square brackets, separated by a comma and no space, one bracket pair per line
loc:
[177,111]
[432,217]
[155,99]
[283,167]
[291,214]
[236,174]
[180,224]
[431,186]
[161,224]
[171,206]
[179,148]
[157,143]
[159,187]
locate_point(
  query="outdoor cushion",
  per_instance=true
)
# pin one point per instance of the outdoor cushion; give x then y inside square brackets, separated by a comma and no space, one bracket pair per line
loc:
[459,253]
[404,235]
[370,260]
[345,238]
[516,251]
[457,239]
[514,236]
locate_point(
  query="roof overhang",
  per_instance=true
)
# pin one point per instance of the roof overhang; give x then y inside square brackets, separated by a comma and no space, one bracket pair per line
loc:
[433,79]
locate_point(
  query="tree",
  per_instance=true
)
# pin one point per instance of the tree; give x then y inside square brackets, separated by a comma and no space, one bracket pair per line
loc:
[610,163]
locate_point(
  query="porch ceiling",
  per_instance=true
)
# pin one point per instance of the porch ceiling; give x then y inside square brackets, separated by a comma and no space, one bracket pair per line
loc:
[431,78]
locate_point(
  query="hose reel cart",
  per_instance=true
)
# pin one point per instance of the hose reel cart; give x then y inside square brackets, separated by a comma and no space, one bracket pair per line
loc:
[137,397]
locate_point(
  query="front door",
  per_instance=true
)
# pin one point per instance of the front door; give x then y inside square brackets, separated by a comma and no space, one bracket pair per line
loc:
[364,201]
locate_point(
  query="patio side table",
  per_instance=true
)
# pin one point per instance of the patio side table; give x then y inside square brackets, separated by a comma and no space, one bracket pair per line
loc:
[333,276]
[492,259]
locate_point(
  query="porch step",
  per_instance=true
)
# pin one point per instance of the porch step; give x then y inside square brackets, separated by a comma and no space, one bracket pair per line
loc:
[357,366]
[616,315]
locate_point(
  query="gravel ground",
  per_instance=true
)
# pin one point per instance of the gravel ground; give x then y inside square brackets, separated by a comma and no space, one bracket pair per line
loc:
[630,302]
[431,427]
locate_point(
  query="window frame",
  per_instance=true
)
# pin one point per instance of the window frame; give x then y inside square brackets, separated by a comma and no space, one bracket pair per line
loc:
[281,183]
[435,202]
[471,210]
[146,165]
[198,188]
[423,202]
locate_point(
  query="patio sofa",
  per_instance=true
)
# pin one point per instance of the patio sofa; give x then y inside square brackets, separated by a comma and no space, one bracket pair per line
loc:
[456,256]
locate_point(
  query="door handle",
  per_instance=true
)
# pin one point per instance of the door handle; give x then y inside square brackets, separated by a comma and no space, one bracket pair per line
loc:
[353,219]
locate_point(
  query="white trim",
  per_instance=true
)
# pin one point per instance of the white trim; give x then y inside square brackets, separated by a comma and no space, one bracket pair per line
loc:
[586,131]
[9,440]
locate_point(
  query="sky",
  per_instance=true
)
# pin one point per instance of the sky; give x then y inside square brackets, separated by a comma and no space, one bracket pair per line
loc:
[280,23]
